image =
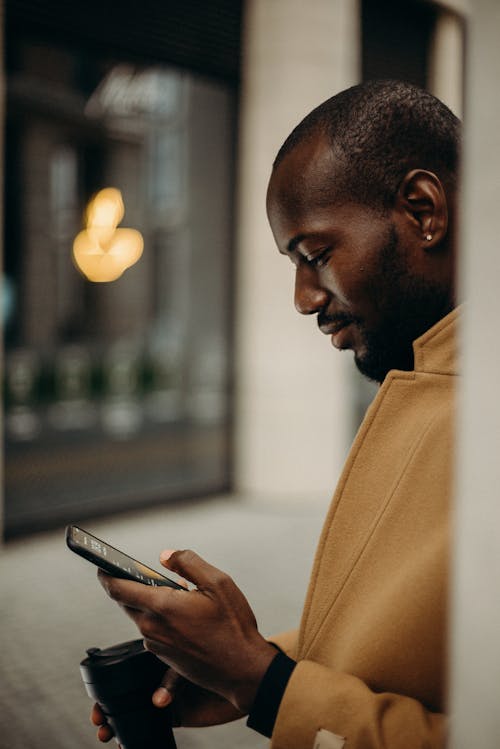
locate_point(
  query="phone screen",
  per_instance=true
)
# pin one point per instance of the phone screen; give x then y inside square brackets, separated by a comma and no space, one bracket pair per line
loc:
[112,560]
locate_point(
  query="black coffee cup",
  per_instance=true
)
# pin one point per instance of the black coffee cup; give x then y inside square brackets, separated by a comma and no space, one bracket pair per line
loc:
[122,679]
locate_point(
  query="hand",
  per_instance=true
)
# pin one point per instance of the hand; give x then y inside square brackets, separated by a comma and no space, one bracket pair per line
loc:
[208,635]
[192,706]
[104,731]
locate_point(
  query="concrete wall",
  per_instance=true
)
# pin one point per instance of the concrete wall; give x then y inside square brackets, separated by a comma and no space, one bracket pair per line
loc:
[475,650]
[447,60]
[292,414]
[2,121]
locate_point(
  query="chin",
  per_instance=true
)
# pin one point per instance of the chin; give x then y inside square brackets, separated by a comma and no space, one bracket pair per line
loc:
[369,368]
[380,353]
[370,373]
[375,367]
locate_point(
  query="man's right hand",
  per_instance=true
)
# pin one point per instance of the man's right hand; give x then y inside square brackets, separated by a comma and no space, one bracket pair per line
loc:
[192,706]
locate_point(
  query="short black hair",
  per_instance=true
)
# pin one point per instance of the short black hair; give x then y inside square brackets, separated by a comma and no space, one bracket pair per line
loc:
[379,131]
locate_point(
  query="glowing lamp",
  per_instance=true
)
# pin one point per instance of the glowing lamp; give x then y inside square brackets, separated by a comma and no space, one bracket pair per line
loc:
[102,252]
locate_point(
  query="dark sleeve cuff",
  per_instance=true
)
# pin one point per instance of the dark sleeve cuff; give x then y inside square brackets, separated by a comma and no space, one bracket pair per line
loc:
[262,716]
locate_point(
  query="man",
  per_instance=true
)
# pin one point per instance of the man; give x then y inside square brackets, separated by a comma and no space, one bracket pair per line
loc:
[362,201]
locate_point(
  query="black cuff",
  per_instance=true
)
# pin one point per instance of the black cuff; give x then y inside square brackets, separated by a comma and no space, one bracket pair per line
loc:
[262,716]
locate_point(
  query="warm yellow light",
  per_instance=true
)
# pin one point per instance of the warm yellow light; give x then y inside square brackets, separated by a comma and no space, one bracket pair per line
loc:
[104,213]
[101,251]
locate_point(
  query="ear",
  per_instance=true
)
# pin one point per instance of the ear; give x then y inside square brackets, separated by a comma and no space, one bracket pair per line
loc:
[422,204]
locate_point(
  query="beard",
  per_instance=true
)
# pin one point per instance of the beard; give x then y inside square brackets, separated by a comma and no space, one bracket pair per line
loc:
[409,306]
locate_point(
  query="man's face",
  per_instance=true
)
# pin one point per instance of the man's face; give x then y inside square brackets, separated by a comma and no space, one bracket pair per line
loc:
[351,268]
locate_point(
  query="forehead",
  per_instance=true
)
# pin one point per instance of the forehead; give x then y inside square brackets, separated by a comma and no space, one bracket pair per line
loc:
[307,174]
[306,201]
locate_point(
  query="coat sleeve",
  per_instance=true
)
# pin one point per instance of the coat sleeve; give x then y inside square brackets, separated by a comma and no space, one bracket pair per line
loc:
[325,709]
[287,642]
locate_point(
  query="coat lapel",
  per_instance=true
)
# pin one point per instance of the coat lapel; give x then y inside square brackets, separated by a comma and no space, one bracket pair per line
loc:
[378,459]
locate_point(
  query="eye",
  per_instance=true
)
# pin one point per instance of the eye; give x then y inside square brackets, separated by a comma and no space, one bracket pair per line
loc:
[319,260]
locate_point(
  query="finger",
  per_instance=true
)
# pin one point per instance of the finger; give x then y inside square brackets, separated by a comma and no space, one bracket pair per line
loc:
[164,557]
[166,691]
[97,716]
[104,731]
[104,734]
[192,567]
[130,594]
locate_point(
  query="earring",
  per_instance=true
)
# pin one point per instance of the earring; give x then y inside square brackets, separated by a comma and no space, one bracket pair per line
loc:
[428,237]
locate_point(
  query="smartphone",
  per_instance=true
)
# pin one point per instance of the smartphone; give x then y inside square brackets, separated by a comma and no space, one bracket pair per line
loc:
[112,560]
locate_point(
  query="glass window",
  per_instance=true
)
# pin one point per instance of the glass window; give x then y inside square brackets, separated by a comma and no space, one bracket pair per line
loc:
[116,390]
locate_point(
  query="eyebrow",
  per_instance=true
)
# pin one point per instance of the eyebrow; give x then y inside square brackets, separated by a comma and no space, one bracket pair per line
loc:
[292,244]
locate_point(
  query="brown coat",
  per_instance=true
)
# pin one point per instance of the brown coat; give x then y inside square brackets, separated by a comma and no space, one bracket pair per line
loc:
[371,648]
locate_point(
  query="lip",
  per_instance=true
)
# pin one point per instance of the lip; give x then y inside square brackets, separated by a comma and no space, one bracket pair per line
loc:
[333,328]
[339,334]
[340,338]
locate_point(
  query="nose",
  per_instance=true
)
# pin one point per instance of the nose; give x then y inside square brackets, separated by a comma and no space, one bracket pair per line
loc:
[310,296]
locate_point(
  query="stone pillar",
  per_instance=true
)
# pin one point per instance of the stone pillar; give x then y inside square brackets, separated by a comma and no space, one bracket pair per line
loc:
[447,60]
[475,645]
[292,413]
[2,125]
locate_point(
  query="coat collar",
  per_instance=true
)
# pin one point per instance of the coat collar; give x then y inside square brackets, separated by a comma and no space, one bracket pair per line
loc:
[436,350]
[383,449]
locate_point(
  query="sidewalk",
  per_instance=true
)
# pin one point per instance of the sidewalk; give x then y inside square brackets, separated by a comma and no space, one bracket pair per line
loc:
[53,608]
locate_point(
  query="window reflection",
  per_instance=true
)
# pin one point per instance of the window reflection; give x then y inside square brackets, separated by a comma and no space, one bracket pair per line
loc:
[116,393]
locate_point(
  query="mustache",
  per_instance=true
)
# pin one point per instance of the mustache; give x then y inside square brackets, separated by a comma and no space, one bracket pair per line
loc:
[325,320]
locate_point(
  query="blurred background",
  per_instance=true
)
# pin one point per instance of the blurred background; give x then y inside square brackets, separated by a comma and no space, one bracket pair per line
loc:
[182,401]
[178,378]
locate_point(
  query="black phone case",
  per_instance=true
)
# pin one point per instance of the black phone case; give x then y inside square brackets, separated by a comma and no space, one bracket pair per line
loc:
[111,568]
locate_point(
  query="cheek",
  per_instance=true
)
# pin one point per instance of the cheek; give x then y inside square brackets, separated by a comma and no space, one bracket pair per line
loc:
[350,285]
[365,280]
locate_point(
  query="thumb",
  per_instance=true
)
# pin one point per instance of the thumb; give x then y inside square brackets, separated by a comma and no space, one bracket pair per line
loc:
[191,566]
[164,557]
[165,692]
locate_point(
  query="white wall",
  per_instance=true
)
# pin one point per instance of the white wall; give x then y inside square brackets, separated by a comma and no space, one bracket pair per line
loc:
[475,646]
[447,60]
[292,412]
[2,121]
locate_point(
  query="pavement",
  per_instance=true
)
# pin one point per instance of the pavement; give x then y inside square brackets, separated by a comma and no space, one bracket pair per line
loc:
[53,608]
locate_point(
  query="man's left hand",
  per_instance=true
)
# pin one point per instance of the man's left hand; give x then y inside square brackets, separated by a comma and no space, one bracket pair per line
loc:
[208,635]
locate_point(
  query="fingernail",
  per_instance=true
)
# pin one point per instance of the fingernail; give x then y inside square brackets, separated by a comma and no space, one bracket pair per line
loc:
[166,554]
[162,697]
